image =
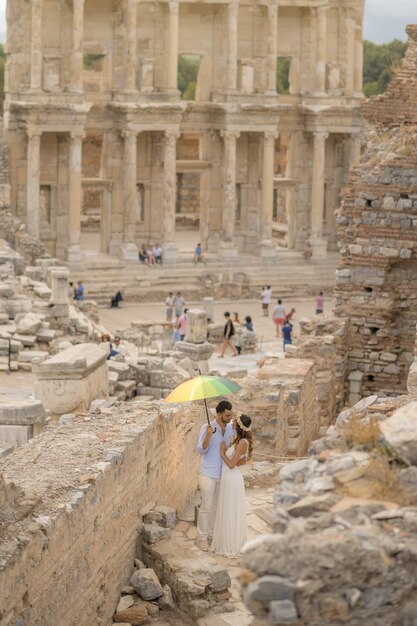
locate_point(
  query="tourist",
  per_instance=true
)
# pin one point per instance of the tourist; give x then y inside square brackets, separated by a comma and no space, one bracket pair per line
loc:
[248,324]
[266,295]
[116,299]
[228,334]
[79,291]
[290,315]
[198,254]
[143,255]
[71,290]
[287,333]
[236,319]
[169,306]
[179,302]
[208,446]
[183,324]
[151,257]
[238,331]
[105,338]
[230,529]
[119,347]
[157,253]
[176,330]
[320,303]
[278,316]
[308,251]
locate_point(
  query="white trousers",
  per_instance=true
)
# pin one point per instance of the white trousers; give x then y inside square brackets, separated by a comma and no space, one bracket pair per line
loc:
[209,489]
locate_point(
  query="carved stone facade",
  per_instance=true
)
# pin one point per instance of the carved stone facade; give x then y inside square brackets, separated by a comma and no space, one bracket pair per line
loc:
[265,164]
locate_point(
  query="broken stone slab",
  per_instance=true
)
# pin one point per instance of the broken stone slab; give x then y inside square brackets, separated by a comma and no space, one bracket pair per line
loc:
[29,324]
[312,504]
[358,409]
[46,335]
[195,352]
[400,432]
[26,340]
[134,615]
[283,612]
[166,601]
[196,330]
[146,584]
[163,516]
[151,533]
[72,379]
[125,602]
[42,290]
[22,412]
[31,356]
[122,369]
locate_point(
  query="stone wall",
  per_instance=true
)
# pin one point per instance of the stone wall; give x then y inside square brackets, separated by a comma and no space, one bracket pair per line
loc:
[323,341]
[84,481]
[377,221]
[280,397]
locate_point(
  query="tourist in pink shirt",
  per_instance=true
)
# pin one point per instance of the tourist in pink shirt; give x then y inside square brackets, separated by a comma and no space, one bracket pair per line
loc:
[320,303]
[183,324]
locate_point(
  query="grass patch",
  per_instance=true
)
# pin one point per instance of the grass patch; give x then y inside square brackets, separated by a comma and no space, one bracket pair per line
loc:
[359,433]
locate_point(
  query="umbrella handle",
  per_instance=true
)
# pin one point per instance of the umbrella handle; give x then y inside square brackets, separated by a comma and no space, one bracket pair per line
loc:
[207,415]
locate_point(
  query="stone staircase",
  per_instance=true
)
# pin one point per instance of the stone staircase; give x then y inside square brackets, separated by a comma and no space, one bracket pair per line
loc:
[241,278]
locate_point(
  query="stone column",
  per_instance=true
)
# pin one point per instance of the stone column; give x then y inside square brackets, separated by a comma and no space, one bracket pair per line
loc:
[131,52]
[36,46]
[74,252]
[317,194]
[227,246]
[267,248]
[59,285]
[33,177]
[355,148]
[208,306]
[169,194]
[272,50]
[77,55]
[231,76]
[350,53]
[321,50]
[173,46]
[130,198]
[358,69]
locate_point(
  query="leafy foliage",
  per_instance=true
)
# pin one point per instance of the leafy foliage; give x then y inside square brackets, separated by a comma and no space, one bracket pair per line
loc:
[188,66]
[379,61]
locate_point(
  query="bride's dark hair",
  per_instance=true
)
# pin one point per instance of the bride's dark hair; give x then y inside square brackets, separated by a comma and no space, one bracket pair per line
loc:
[244,434]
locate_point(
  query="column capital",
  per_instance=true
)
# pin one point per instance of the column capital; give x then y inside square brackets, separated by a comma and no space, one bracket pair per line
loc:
[171,134]
[173,6]
[230,134]
[33,132]
[270,135]
[320,134]
[272,8]
[77,134]
[129,133]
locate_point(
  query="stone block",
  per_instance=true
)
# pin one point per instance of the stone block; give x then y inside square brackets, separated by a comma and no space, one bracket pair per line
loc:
[152,533]
[146,584]
[122,369]
[134,615]
[164,516]
[14,436]
[29,324]
[400,432]
[23,412]
[72,379]
[282,612]
[26,340]
[29,356]
[196,330]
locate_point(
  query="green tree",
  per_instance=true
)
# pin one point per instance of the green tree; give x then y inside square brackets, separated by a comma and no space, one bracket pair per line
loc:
[379,61]
[283,74]
[188,66]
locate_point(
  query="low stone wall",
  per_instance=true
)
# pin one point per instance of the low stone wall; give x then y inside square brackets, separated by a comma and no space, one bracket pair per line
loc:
[84,482]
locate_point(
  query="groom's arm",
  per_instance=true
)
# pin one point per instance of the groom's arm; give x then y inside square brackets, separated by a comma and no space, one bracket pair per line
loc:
[204,439]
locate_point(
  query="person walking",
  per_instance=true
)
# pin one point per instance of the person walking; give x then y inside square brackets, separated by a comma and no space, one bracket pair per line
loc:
[230,529]
[208,447]
[169,306]
[182,321]
[228,334]
[278,315]
[320,303]
[287,333]
[266,295]
[179,303]
[79,292]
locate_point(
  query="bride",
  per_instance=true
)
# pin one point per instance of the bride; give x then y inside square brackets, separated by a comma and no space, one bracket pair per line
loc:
[230,532]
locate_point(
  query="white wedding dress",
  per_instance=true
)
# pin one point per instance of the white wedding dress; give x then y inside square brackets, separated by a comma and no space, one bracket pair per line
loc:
[230,531]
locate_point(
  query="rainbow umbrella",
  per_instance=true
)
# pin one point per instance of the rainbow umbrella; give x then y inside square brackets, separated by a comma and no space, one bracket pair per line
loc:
[202,387]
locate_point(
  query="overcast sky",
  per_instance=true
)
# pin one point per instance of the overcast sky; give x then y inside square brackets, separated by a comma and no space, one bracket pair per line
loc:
[384,19]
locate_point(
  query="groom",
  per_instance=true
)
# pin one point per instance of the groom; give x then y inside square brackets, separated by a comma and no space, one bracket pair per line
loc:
[208,447]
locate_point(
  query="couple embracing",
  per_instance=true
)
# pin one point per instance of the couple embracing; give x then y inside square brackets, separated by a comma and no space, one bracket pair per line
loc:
[224,446]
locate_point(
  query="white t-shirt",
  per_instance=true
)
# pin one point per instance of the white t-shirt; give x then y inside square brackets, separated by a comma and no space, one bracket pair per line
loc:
[266,296]
[169,302]
[279,312]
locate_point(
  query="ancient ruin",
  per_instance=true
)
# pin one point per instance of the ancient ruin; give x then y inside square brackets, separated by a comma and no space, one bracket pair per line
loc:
[97,132]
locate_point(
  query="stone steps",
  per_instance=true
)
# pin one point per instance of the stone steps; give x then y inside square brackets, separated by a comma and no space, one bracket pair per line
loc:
[240,278]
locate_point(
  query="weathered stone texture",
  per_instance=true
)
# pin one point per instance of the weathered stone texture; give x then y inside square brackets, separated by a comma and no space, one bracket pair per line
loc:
[91,476]
[377,222]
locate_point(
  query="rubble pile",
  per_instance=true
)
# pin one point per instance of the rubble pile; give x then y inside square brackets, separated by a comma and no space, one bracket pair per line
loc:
[344,548]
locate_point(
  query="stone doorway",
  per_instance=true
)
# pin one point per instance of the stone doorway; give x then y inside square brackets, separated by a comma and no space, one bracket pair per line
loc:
[96,216]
